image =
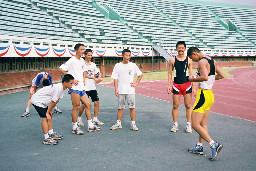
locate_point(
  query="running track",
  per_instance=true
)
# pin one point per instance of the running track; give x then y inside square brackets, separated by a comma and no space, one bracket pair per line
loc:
[235,97]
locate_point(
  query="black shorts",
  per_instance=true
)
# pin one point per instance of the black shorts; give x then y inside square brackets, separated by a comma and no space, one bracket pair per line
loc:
[93,94]
[41,111]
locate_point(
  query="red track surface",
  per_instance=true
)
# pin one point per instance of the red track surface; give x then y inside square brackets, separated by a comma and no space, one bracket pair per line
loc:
[234,97]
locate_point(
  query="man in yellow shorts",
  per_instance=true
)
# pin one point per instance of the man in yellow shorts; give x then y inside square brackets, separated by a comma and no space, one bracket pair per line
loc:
[204,100]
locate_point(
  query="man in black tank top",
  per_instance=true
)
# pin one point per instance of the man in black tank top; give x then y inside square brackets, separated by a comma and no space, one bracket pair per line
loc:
[204,100]
[182,67]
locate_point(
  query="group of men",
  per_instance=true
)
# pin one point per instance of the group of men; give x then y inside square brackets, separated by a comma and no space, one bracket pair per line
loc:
[81,75]
[183,84]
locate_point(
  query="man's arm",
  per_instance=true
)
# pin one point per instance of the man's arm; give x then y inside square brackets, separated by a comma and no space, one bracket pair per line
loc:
[190,68]
[63,71]
[203,72]
[134,84]
[220,73]
[98,76]
[116,87]
[169,89]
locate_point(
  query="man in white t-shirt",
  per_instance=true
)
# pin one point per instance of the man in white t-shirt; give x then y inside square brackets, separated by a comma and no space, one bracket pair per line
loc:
[123,75]
[44,100]
[90,88]
[76,67]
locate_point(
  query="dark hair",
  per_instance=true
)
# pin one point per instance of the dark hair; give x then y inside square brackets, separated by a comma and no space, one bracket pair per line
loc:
[78,45]
[180,43]
[87,50]
[191,50]
[46,82]
[67,78]
[125,50]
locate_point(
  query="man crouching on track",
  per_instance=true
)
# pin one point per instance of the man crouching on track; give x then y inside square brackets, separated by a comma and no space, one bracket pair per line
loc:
[204,100]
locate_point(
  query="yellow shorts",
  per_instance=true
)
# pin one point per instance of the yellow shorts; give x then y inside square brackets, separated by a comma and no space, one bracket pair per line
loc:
[204,101]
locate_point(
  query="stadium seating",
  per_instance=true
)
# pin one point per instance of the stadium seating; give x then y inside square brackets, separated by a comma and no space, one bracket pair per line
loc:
[142,22]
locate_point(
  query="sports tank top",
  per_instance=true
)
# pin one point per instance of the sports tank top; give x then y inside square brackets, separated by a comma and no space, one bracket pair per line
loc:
[211,76]
[180,70]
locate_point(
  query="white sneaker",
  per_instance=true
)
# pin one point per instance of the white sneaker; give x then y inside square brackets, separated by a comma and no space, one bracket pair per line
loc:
[93,129]
[134,127]
[188,128]
[57,110]
[50,141]
[98,122]
[175,128]
[116,126]
[77,131]
[80,123]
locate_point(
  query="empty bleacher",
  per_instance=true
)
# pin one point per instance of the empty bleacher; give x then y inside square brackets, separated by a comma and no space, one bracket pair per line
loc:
[144,22]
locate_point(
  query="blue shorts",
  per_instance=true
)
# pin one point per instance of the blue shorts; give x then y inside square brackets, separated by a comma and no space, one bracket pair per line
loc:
[81,93]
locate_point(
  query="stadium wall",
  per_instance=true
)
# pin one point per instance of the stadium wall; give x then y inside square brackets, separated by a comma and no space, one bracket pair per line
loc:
[22,58]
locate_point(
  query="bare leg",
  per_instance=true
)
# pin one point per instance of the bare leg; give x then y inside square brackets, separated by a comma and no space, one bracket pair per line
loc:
[187,102]
[175,112]
[49,124]
[45,125]
[197,118]
[96,108]
[204,124]
[120,114]
[75,98]
[132,114]
[29,103]
[81,110]
[88,106]
[32,91]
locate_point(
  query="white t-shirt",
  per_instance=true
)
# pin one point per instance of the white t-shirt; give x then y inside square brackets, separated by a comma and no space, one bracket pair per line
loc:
[91,70]
[75,67]
[125,75]
[44,96]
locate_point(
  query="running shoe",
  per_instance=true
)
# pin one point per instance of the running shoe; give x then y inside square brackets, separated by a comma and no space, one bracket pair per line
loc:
[98,122]
[80,123]
[116,126]
[93,129]
[175,128]
[134,127]
[188,128]
[216,148]
[197,150]
[56,136]
[57,110]
[77,131]
[50,141]
[26,114]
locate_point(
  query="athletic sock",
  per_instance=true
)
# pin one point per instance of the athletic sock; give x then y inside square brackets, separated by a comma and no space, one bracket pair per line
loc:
[27,109]
[74,125]
[212,144]
[199,144]
[46,136]
[90,124]
[188,123]
[79,119]
[50,131]
[119,122]
[133,122]
[176,123]
[95,118]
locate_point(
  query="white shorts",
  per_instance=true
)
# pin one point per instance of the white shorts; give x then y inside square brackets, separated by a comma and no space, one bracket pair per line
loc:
[122,98]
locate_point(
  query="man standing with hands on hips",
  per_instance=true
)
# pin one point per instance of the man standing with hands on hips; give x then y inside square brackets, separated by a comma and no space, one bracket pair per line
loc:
[123,75]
